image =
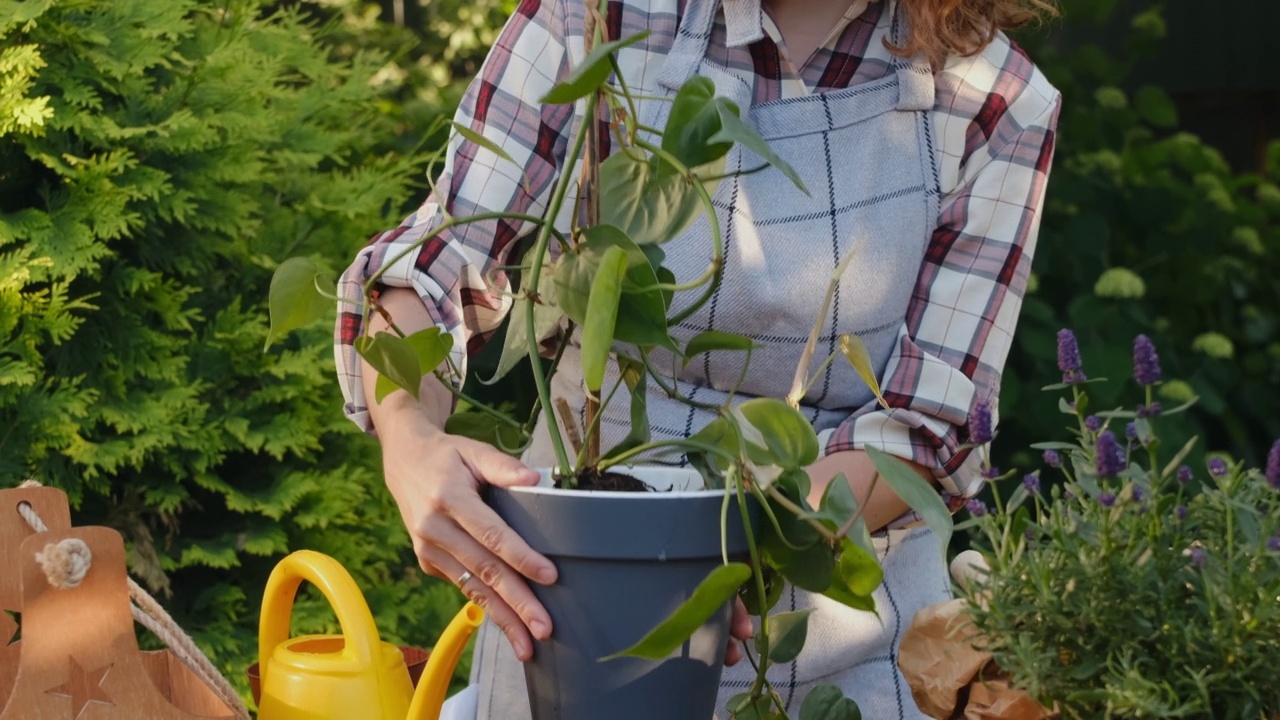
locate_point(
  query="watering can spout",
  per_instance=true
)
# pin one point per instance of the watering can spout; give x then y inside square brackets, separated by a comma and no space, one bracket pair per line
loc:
[429,697]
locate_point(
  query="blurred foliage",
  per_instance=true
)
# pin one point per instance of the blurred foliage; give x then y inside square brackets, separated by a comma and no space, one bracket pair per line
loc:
[1146,230]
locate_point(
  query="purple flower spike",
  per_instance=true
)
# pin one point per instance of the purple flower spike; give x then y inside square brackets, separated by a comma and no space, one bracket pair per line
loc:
[1273,543]
[991,473]
[1032,484]
[1217,467]
[1052,458]
[1106,499]
[1184,474]
[1150,411]
[1069,357]
[1198,557]
[1273,466]
[1137,494]
[976,507]
[1110,456]
[1131,431]
[1146,363]
[1180,512]
[1093,423]
[980,432]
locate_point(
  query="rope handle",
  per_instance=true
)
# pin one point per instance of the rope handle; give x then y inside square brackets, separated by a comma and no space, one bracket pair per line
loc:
[65,564]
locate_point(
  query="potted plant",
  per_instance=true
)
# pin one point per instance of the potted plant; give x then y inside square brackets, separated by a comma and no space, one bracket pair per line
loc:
[646,578]
[1137,586]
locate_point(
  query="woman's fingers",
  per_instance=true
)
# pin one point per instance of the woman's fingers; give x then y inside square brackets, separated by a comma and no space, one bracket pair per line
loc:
[496,576]
[496,609]
[482,523]
[741,626]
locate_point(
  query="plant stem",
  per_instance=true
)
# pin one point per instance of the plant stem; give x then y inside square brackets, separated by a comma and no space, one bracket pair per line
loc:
[802,368]
[656,444]
[563,468]
[758,576]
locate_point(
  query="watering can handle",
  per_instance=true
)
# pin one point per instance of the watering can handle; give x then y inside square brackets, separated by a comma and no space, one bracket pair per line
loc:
[360,635]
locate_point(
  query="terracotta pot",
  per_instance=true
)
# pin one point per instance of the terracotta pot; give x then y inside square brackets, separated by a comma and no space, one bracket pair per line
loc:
[415,658]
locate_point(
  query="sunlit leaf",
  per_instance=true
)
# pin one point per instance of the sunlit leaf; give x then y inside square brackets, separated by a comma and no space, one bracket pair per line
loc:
[709,597]
[297,296]
[916,492]
[856,352]
[650,207]
[484,142]
[393,358]
[857,575]
[591,73]
[776,433]
[642,309]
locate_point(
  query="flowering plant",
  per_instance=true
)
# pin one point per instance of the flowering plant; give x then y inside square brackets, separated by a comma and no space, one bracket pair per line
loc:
[1137,587]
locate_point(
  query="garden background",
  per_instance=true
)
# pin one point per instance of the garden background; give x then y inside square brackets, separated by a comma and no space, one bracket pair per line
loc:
[158,158]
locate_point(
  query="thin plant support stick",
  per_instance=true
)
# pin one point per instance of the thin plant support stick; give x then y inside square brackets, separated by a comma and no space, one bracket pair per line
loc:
[590,189]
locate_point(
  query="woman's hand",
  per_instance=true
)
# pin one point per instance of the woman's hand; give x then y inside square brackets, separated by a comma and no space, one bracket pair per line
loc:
[435,479]
[740,630]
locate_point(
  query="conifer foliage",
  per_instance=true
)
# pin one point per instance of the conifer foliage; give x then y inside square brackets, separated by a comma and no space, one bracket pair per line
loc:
[157,158]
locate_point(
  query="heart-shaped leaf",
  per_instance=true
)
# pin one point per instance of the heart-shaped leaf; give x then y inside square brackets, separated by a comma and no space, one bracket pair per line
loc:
[546,316]
[648,206]
[297,296]
[827,702]
[858,574]
[709,597]
[642,317]
[591,73]
[394,358]
[787,633]
[776,433]
[694,120]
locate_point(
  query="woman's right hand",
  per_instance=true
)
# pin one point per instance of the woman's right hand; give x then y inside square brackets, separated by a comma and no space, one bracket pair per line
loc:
[435,479]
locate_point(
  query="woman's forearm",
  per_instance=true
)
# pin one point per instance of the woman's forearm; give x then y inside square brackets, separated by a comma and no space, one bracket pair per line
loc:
[881,505]
[399,410]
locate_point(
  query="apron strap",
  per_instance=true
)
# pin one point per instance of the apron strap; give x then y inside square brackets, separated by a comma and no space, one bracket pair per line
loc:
[916,89]
[690,45]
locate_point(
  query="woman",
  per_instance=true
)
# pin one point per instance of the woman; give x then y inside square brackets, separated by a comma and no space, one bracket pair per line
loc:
[924,137]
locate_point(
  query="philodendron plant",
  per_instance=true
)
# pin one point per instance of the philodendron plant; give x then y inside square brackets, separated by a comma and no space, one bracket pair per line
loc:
[608,283]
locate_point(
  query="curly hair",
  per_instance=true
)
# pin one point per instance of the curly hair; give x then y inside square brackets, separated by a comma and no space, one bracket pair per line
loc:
[942,28]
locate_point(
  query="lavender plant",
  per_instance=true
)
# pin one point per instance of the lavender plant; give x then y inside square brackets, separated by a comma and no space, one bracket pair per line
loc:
[1138,586]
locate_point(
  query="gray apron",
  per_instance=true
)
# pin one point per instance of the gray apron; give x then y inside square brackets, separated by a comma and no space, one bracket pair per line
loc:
[865,154]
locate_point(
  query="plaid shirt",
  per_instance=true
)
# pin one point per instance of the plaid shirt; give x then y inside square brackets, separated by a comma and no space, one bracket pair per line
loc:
[994,127]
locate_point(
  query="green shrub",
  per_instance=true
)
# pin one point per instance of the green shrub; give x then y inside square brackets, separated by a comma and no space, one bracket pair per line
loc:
[157,157]
[1147,230]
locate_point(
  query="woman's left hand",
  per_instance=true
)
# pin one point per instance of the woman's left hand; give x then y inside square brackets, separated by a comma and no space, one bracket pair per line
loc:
[740,629]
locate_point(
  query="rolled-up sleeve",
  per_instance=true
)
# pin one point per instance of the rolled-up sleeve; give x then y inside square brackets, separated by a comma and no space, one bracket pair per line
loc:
[952,346]
[458,272]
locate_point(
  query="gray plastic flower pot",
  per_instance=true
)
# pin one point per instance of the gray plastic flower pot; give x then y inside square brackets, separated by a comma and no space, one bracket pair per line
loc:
[626,561]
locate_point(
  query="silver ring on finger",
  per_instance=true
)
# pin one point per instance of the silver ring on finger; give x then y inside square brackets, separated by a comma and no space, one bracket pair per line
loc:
[463,578]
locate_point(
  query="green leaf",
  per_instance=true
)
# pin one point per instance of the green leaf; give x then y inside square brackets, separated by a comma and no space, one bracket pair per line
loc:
[431,346]
[733,129]
[602,316]
[787,632]
[773,587]
[546,316]
[742,707]
[827,702]
[393,358]
[857,575]
[711,340]
[838,505]
[798,554]
[776,433]
[711,595]
[590,74]
[694,120]
[649,206]
[297,296]
[484,142]
[856,352]
[1156,107]
[642,308]
[916,492]
[637,381]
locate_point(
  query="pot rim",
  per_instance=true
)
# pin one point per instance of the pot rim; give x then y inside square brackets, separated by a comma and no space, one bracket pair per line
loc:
[659,477]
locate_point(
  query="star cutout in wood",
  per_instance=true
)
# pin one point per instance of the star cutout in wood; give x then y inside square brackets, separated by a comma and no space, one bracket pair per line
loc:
[83,688]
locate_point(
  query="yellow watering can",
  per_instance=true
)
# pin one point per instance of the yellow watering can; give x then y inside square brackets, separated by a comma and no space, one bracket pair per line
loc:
[347,676]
